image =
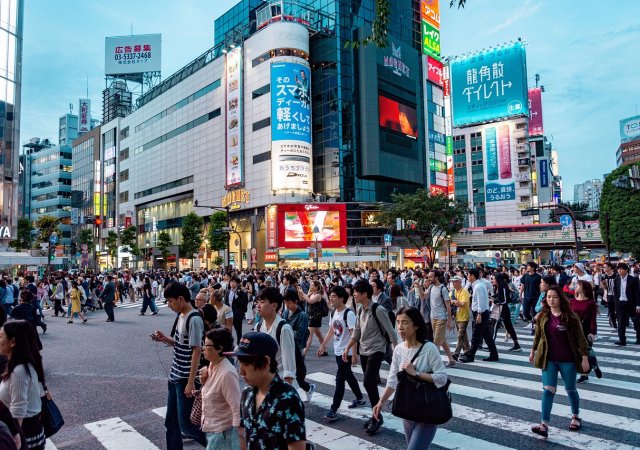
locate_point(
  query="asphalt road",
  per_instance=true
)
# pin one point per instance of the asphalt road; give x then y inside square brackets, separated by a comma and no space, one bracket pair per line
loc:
[113,372]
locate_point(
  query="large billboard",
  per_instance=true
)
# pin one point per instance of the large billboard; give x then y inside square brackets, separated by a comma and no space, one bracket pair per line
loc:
[489,85]
[536,127]
[398,117]
[84,115]
[234,126]
[630,129]
[430,40]
[132,54]
[499,180]
[291,127]
[297,222]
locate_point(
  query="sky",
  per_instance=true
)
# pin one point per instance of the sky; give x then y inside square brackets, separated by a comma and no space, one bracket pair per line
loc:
[585,53]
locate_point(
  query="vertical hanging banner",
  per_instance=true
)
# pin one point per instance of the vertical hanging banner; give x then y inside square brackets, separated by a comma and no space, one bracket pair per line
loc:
[291,127]
[535,112]
[544,173]
[234,126]
[499,182]
[491,145]
[84,115]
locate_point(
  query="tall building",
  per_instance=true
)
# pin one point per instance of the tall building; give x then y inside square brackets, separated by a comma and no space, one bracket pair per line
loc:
[46,184]
[68,130]
[629,149]
[589,193]
[11,29]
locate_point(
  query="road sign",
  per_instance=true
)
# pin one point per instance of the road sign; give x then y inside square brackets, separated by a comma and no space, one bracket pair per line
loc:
[565,220]
[388,238]
[53,238]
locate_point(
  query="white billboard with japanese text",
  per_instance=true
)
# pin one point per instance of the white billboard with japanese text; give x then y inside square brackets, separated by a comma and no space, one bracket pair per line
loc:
[132,54]
[84,115]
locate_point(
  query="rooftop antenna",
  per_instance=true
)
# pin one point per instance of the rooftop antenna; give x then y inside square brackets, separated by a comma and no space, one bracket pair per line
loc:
[87,85]
[70,108]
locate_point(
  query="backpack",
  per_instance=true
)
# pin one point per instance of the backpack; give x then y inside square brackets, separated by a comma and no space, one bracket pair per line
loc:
[175,323]
[392,318]
[301,368]
[514,295]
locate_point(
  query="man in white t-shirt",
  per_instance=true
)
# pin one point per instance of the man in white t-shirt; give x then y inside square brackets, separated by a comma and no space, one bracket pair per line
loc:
[343,322]
[580,273]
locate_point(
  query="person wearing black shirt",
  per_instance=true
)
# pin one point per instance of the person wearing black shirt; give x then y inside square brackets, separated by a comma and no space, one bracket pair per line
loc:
[608,279]
[530,289]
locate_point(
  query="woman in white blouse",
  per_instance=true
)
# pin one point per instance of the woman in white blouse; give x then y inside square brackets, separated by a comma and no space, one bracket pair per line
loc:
[427,367]
[21,383]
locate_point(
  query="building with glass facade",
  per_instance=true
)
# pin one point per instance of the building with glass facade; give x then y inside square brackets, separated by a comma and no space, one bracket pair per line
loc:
[11,28]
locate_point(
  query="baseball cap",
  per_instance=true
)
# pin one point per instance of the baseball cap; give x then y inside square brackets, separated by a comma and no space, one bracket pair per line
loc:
[256,344]
[457,278]
[579,266]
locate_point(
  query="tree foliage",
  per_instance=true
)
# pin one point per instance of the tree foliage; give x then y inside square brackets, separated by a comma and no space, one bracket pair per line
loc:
[46,225]
[129,240]
[112,246]
[192,228]
[163,244]
[428,219]
[218,239]
[622,205]
[580,211]
[24,240]
[85,236]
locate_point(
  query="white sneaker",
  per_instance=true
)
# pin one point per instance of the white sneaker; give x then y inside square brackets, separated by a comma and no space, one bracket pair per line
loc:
[312,389]
[528,326]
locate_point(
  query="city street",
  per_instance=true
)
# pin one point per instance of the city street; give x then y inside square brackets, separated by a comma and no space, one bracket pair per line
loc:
[109,380]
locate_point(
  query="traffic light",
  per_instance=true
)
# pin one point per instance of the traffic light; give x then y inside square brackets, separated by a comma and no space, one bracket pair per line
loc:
[98,220]
[383,254]
[52,256]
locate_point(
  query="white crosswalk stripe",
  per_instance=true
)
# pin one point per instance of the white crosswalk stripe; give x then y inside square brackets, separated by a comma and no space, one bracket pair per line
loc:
[494,403]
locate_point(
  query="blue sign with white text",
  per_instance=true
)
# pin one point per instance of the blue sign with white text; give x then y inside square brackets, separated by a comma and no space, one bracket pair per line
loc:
[290,104]
[489,85]
[544,173]
[495,192]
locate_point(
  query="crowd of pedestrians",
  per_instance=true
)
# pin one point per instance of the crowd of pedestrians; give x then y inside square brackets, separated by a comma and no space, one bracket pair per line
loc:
[401,317]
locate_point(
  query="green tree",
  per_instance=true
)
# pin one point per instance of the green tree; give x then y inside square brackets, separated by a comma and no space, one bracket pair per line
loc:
[163,243]
[85,236]
[129,240]
[218,261]
[45,226]
[24,239]
[218,239]
[428,219]
[192,228]
[581,211]
[112,246]
[622,205]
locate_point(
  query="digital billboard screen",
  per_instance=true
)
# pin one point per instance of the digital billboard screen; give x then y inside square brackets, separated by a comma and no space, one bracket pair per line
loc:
[398,117]
[630,129]
[489,85]
[296,224]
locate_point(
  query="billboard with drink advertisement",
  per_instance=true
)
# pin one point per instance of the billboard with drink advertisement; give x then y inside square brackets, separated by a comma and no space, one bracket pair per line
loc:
[489,85]
[132,54]
[296,223]
[499,181]
[291,151]
[535,112]
[234,125]
[398,117]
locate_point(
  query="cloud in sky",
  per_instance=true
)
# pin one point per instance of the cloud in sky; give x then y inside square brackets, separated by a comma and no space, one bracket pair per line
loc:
[528,8]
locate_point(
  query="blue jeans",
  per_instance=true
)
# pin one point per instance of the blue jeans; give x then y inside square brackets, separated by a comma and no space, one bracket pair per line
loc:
[568,373]
[148,302]
[225,440]
[419,435]
[178,421]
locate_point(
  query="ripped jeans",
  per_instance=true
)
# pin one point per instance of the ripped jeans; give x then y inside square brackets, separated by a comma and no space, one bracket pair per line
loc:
[568,373]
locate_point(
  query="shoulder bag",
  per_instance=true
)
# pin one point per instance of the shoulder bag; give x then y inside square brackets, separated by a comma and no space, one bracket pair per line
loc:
[196,409]
[421,401]
[50,415]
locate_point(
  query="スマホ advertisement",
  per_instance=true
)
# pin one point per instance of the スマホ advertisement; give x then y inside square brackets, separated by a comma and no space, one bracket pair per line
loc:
[291,150]
[234,153]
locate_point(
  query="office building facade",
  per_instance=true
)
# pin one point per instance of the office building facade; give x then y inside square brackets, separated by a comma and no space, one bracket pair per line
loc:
[588,193]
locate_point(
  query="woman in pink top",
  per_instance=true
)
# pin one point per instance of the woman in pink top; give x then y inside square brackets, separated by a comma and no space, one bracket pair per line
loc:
[220,394]
[585,306]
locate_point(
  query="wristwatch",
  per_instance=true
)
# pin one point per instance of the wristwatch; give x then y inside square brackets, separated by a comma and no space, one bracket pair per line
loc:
[417,374]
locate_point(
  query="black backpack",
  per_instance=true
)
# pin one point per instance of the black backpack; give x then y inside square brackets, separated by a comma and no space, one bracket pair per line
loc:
[301,368]
[392,318]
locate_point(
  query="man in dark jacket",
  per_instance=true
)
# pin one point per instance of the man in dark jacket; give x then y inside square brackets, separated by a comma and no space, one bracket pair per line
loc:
[626,291]
[108,298]
[238,300]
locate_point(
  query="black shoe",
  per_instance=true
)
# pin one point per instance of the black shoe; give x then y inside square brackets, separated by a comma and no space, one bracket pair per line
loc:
[597,371]
[465,359]
[355,403]
[108,320]
[491,359]
[582,379]
[455,357]
[367,423]
[620,344]
[515,348]
[374,426]
[44,330]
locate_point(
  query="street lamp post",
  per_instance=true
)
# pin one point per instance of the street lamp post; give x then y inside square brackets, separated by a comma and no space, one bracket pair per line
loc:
[231,230]
[316,231]
[226,209]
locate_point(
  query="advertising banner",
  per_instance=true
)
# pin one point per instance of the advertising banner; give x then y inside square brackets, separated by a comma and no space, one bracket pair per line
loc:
[84,115]
[430,40]
[630,129]
[132,54]
[291,150]
[499,182]
[544,173]
[490,85]
[535,112]
[430,11]
[272,226]
[434,68]
[297,222]
[398,117]
[234,125]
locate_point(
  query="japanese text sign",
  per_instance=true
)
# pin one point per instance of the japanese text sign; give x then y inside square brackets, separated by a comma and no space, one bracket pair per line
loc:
[234,119]
[430,40]
[132,54]
[535,112]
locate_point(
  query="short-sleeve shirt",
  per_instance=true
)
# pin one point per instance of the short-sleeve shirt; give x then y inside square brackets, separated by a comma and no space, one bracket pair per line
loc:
[531,285]
[278,422]
[437,296]
[341,333]
[182,349]
[225,311]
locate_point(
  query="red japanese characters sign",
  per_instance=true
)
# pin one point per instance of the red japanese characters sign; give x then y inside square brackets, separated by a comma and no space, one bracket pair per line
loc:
[132,54]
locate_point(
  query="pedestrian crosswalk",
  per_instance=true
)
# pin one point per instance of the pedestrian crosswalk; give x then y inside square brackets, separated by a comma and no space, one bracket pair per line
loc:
[494,405]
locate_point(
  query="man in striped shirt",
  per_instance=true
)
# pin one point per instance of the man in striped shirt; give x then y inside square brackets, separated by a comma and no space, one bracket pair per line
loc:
[186,340]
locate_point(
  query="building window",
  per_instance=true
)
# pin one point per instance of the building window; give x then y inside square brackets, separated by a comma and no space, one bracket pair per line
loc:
[260,124]
[124,133]
[124,154]
[278,52]
[164,187]
[124,197]
[124,175]
[262,157]
[261,91]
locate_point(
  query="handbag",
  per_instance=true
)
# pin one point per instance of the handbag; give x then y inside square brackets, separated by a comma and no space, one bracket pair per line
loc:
[196,409]
[324,308]
[50,415]
[421,401]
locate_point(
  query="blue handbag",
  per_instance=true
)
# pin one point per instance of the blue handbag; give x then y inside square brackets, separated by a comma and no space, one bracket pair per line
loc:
[50,415]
